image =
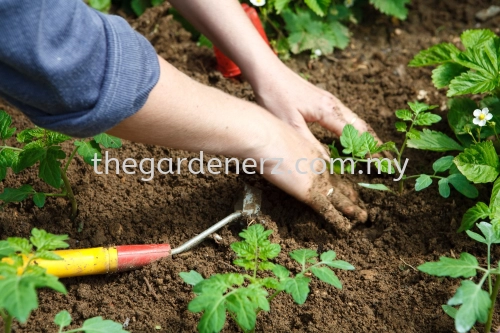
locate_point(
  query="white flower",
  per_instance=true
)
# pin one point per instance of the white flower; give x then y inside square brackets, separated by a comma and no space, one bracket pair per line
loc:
[317,52]
[482,116]
[258,3]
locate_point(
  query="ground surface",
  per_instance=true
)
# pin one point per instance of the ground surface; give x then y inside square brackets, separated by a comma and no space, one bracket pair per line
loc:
[383,294]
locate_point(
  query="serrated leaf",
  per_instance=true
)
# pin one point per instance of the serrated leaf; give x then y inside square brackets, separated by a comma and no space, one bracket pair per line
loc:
[45,241]
[100,325]
[39,199]
[192,278]
[50,167]
[87,150]
[18,296]
[302,255]
[5,249]
[279,5]
[400,126]
[443,163]
[30,134]
[404,114]
[477,212]
[325,274]
[479,163]
[10,157]
[449,310]
[16,194]
[396,8]
[108,141]
[435,141]
[495,199]
[269,251]
[100,5]
[140,6]
[5,130]
[418,107]
[471,83]
[413,134]
[465,266]
[319,7]
[489,235]
[47,255]
[423,181]
[328,256]
[444,187]
[476,37]
[214,314]
[368,143]
[475,305]
[240,304]
[62,319]
[298,287]
[281,272]
[378,187]
[462,185]
[444,73]
[351,141]
[434,55]
[426,119]
[28,157]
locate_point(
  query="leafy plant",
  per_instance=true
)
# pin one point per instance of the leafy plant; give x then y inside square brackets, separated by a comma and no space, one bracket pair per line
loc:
[362,148]
[476,304]
[474,70]
[244,295]
[138,7]
[44,147]
[20,277]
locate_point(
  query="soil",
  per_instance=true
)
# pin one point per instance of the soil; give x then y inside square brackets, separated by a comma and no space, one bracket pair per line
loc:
[384,294]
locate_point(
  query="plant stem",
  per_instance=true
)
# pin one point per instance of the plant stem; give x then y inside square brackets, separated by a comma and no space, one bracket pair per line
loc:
[493,298]
[7,324]
[9,147]
[70,159]
[489,266]
[70,195]
[403,146]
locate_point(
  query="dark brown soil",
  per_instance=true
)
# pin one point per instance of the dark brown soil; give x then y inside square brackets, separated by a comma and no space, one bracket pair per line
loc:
[384,294]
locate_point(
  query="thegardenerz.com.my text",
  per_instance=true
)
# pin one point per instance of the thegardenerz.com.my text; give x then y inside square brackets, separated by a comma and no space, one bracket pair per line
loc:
[216,166]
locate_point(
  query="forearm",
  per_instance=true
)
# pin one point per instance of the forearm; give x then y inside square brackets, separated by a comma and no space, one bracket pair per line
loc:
[227,26]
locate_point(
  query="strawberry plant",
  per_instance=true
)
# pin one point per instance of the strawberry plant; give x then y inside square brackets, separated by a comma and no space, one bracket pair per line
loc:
[362,148]
[42,146]
[476,303]
[20,277]
[244,295]
[474,69]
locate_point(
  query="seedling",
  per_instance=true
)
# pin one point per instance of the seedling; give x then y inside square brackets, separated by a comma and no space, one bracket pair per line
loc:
[244,295]
[362,148]
[476,304]
[20,277]
[44,147]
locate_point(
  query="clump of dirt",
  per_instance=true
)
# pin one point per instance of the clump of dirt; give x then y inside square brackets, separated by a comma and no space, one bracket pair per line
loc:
[384,294]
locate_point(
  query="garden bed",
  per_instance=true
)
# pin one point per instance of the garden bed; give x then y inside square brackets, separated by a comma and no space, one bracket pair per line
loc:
[384,294]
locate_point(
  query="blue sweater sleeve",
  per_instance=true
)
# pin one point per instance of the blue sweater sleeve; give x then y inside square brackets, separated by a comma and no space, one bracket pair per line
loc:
[70,68]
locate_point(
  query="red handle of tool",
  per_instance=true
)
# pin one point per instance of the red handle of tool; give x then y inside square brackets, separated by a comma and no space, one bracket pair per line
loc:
[136,256]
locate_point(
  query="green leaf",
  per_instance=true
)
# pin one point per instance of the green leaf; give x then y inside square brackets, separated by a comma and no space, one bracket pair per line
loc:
[100,5]
[427,119]
[18,296]
[241,305]
[396,8]
[340,264]
[269,251]
[476,37]
[214,314]
[477,212]
[404,115]
[444,73]
[495,199]
[99,325]
[16,194]
[31,134]
[298,287]
[423,181]
[39,199]
[400,126]
[5,130]
[21,245]
[29,157]
[444,187]
[435,141]
[479,163]
[50,167]
[280,5]
[378,187]
[55,138]
[328,256]
[140,6]
[325,274]
[192,278]
[303,255]
[460,114]
[9,157]
[475,305]
[442,164]
[45,241]
[108,141]
[87,150]
[351,141]
[475,236]
[471,83]
[368,143]
[204,41]
[464,267]
[449,310]
[47,255]
[5,249]
[462,185]
[489,234]
[320,7]
[62,319]
[418,107]
[434,55]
